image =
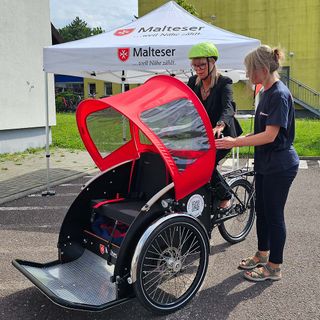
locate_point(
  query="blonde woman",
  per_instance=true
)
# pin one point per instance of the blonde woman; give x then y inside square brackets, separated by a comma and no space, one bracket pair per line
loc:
[276,162]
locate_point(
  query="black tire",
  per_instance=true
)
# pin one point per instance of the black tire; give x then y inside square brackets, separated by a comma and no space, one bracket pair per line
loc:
[172,265]
[237,228]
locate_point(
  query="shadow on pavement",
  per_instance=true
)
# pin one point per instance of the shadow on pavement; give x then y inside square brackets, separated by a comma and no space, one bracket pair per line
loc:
[218,302]
[48,221]
[222,247]
[32,304]
[32,180]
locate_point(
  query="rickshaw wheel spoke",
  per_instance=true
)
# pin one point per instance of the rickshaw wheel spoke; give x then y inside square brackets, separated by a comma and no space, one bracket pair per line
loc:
[172,265]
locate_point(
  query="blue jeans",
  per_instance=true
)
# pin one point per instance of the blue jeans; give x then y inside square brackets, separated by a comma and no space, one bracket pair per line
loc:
[271,196]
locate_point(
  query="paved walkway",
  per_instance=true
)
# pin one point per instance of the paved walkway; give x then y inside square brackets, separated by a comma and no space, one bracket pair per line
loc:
[27,174]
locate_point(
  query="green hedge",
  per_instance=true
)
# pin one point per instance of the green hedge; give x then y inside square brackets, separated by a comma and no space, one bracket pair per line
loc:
[67,101]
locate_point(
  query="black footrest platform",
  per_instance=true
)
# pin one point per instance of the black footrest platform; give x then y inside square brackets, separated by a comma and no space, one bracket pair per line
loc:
[84,283]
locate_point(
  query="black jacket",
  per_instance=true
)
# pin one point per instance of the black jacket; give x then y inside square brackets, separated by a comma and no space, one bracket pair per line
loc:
[219,104]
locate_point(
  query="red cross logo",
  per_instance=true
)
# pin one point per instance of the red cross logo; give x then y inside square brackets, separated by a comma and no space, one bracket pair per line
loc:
[123,32]
[102,248]
[123,54]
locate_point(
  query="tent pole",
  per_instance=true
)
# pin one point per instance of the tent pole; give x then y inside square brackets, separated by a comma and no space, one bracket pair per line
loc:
[48,192]
[124,135]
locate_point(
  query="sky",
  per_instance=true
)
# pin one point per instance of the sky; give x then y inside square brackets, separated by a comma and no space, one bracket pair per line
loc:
[107,14]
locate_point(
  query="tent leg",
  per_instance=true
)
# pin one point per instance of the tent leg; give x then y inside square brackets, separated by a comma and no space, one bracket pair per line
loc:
[124,135]
[48,192]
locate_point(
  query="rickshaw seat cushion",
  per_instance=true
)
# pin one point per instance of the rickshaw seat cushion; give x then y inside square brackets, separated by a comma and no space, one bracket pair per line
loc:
[124,211]
[150,176]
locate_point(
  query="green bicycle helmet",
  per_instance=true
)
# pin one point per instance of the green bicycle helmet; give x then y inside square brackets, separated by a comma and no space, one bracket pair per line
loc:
[203,50]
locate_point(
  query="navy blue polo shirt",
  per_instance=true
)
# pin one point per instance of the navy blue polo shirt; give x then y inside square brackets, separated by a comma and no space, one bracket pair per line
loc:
[276,108]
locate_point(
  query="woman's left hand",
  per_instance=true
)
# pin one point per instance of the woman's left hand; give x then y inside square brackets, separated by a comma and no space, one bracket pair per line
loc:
[225,143]
[217,131]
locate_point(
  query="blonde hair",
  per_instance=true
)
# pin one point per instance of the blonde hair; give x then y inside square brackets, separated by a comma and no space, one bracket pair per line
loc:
[264,57]
[214,73]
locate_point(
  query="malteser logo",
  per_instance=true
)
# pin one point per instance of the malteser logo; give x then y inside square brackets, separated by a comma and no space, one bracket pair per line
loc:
[123,54]
[123,32]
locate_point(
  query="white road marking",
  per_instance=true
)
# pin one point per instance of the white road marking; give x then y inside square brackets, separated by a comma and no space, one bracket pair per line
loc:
[56,195]
[71,185]
[33,208]
[30,227]
[303,164]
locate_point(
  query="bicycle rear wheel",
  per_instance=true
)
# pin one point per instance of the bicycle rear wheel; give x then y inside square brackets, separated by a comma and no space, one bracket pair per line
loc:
[237,228]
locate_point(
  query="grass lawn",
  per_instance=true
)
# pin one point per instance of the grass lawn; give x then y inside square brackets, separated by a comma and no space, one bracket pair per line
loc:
[307,139]
[109,136]
[307,142]
[65,134]
[105,131]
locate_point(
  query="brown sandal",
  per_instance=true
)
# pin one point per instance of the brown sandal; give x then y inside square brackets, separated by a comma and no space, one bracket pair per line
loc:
[250,263]
[259,274]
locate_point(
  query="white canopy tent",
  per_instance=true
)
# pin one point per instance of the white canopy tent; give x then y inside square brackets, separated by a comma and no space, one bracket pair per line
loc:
[157,43]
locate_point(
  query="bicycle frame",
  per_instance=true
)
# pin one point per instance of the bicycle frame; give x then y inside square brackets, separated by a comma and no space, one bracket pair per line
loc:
[229,178]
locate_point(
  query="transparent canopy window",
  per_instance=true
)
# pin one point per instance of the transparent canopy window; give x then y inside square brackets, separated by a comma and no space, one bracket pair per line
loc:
[108,130]
[180,128]
[143,138]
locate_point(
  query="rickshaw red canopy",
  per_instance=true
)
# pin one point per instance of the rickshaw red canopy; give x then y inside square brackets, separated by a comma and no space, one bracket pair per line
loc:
[165,117]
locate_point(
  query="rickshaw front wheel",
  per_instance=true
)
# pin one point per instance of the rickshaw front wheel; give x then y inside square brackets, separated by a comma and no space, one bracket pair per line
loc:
[172,264]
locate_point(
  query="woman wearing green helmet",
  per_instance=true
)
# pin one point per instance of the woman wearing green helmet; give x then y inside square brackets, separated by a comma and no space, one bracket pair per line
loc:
[215,93]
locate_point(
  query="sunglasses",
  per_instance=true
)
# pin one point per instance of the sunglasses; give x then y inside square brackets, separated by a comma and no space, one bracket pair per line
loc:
[200,66]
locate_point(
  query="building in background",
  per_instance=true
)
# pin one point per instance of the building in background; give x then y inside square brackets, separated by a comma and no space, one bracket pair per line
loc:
[24,33]
[64,83]
[86,87]
[293,25]
[99,88]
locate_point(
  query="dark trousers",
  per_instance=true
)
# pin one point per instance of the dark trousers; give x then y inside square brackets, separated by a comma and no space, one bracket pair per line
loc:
[217,182]
[271,196]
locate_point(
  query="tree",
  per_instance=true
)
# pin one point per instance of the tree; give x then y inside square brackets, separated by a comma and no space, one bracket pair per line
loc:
[187,6]
[78,29]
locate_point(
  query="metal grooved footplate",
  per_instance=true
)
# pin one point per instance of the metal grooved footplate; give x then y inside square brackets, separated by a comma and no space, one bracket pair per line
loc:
[85,280]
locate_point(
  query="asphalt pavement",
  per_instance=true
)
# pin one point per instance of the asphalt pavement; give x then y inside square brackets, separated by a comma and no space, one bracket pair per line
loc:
[29,229]
[28,173]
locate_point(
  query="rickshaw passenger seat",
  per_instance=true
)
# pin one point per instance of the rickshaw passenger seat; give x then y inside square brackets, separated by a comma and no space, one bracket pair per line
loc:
[124,211]
[149,176]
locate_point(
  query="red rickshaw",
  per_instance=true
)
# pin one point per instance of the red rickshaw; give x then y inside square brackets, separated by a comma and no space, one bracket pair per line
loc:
[142,226]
